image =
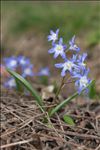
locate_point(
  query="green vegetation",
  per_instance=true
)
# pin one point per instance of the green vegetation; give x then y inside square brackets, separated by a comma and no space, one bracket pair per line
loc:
[23,82]
[20,81]
[70,17]
[68,120]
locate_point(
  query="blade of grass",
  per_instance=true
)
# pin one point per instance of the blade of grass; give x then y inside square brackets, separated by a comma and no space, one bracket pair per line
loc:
[28,86]
[66,101]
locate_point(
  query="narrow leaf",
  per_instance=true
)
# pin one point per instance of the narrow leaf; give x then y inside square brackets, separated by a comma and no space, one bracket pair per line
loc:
[18,85]
[27,86]
[63,103]
[92,90]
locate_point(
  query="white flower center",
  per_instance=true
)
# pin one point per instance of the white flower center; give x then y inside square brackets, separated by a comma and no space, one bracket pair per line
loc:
[68,65]
[27,71]
[12,83]
[59,47]
[13,63]
[83,64]
[75,46]
[22,61]
[84,81]
[44,72]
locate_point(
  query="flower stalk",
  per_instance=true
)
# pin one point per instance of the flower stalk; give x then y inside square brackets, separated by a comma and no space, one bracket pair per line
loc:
[60,87]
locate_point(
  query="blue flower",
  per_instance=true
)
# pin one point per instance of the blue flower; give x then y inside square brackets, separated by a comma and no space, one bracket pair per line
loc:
[53,35]
[27,71]
[81,66]
[10,83]
[44,72]
[58,49]
[22,60]
[72,44]
[68,65]
[11,62]
[81,59]
[82,80]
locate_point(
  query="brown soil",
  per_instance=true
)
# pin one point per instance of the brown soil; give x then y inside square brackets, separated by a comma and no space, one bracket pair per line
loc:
[22,126]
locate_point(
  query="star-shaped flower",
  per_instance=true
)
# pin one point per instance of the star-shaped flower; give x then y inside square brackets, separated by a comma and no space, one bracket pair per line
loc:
[22,60]
[81,59]
[68,65]
[53,35]
[82,80]
[11,62]
[44,72]
[27,71]
[10,83]
[73,46]
[58,49]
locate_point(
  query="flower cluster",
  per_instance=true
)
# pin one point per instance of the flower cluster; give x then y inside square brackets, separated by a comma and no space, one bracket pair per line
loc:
[22,65]
[75,65]
[44,72]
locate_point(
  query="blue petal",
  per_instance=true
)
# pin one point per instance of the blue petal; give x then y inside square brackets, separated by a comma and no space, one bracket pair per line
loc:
[49,37]
[77,49]
[79,90]
[56,55]
[73,39]
[44,72]
[77,83]
[57,31]
[64,46]
[61,41]
[63,73]
[63,55]
[60,65]
[86,71]
[51,32]
[51,50]
[84,56]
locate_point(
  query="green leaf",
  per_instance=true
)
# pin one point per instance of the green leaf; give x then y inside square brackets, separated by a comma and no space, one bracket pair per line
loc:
[66,101]
[92,90]
[28,86]
[62,104]
[18,85]
[68,120]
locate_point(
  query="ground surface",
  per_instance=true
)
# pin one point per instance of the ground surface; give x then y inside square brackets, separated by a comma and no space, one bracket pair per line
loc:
[22,126]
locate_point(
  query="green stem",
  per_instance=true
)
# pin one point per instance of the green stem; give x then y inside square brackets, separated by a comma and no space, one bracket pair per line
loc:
[62,104]
[59,89]
[66,101]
